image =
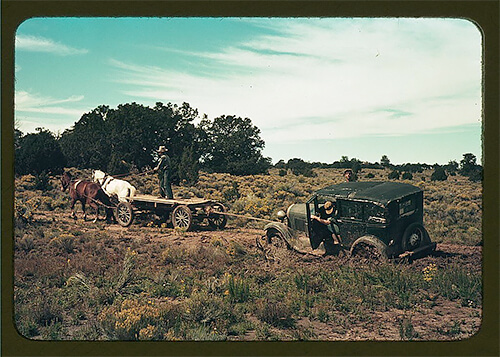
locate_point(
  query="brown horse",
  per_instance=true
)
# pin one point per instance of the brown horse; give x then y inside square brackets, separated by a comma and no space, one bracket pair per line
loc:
[86,192]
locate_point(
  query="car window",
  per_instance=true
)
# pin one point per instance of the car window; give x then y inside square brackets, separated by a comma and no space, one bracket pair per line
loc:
[374,213]
[407,206]
[351,210]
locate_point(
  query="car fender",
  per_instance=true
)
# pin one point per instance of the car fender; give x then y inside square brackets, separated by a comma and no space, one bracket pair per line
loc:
[284,231]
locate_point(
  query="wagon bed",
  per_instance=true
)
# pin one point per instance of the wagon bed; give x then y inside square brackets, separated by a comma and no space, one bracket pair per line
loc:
[182,213]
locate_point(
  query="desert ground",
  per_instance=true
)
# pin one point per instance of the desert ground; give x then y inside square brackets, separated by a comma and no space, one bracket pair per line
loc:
[79,280]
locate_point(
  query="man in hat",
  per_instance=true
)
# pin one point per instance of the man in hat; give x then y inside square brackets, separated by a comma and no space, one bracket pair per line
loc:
[349,175]
[163,168]
[325,216]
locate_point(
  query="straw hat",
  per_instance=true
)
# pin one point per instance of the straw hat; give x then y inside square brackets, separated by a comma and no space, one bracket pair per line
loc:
[162,149]
[328,207]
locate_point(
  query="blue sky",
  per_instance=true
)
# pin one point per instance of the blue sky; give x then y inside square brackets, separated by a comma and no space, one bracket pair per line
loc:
[317,88]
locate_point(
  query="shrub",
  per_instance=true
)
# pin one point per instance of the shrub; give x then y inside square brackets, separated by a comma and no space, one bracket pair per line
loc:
[407,176]
[208,309]
[66,242]
[238,289]
[275,313]
[393,175]
[458,283]
[135,319]
[26,243]
[406,330]
[439,174]
[42,181]
[203,333]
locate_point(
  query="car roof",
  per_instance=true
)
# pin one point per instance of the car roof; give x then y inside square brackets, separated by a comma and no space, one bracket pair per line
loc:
[377,191]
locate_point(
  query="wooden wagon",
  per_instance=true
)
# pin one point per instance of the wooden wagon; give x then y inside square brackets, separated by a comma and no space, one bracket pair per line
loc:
[182,213]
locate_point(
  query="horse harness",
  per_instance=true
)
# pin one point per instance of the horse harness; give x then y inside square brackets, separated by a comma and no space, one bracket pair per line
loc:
[106,182]
[76,184]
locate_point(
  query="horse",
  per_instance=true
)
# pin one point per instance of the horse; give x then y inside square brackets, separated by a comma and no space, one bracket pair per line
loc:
[112,186]
[86,192]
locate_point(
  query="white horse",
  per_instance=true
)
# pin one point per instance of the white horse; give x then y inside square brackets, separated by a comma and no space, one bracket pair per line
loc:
[113,186]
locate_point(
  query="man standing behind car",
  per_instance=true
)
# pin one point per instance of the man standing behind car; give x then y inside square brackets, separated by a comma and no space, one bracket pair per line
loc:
[164,167]
[349,176]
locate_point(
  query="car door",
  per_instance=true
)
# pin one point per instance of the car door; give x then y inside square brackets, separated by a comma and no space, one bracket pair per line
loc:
[350,220]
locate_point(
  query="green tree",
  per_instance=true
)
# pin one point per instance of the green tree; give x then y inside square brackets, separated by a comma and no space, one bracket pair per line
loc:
[188,170]
[280,164]
[439,174]
[355,166]
[117,140]
[232,145]
[469,167]
[38,153]
[88,144]
[300,167]
[384,161]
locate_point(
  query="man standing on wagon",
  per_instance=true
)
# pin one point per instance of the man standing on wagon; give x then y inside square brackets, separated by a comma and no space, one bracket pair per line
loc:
[164,167]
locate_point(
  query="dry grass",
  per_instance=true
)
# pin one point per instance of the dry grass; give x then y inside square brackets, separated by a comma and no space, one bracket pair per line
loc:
[74,280]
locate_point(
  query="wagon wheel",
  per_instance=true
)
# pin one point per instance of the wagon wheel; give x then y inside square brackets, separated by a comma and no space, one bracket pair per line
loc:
[415,236]
[217,221]
[273,245]
[182,217]
[124,214]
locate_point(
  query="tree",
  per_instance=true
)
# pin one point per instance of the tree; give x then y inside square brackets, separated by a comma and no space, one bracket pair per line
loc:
[355,166]
[384,161]
[439,174]
[469,168]
[88,144]
[38,153]
[300,167]
[233,145]
[467,164]
[116,140]
[188,171]
[280,164]
[451,167]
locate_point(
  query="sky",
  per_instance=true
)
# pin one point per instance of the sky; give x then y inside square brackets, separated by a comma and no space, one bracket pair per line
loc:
[317,88]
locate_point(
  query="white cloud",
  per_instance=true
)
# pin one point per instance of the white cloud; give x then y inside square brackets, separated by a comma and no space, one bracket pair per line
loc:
[27,102]
[352,77]
[33,110]
[41,44]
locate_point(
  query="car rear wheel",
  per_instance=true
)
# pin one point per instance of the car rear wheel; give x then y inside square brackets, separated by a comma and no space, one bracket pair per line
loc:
[369,247]
[415,236]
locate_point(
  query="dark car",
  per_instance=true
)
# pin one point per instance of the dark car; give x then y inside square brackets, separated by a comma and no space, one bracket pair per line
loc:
[382,218]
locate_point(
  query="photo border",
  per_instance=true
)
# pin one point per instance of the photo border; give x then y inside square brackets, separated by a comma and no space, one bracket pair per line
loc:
[484,13]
